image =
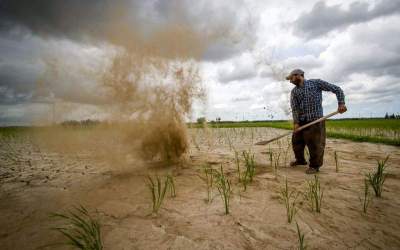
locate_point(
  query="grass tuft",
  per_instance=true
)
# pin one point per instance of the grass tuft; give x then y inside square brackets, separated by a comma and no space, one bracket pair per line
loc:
[224,188]
[302,243]
[171,185]
[289,198]
[80,229]
[158,190]
[377,179]
[247,176]
[276,157]
[209,176]
[366,199]
[314,194]
[270,156]
[237,161]
[336,161]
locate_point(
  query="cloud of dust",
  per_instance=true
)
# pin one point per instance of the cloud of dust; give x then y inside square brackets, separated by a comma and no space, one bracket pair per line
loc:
[146,88]
[154,95]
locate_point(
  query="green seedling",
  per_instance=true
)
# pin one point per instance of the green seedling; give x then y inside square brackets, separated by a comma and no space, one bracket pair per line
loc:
[80,229]
[377,179]
[289,198]
[314,194]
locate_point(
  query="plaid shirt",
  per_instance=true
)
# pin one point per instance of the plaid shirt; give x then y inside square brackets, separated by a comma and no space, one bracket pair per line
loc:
[306,101]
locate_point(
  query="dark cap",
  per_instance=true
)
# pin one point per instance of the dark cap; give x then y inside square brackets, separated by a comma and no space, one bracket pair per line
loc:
[295,72]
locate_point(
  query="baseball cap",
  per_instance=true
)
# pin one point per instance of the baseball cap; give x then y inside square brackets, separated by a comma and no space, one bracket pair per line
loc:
[295,72]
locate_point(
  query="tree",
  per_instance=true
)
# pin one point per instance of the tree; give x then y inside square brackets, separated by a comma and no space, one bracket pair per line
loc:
[201,120]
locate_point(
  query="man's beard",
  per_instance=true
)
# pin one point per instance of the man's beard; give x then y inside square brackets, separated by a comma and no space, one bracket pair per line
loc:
[296,82]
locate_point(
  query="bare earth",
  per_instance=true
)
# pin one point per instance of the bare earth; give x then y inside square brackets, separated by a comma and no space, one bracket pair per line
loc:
[35,182]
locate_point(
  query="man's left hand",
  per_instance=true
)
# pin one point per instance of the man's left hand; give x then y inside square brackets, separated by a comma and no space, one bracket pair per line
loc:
[342,108]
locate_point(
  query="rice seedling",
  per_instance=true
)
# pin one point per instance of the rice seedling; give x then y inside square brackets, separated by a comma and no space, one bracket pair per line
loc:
[336,161]
[289,198]
[314,194]
[171,185]
[230,142]
[158,190]
[237,161]
[276,158]
[377,179]
[252,136]
[250,164]
[224,188]
[195,142]
[302,243]
[247,176]
[80,229]
[285,154]
[270,154]
[307,152]
[209,180]
[366,199]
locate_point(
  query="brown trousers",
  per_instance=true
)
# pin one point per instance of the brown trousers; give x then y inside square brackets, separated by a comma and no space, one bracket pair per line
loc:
[314,138]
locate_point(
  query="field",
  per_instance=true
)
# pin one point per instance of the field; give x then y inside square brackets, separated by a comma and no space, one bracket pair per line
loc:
[229,194]
[376,130]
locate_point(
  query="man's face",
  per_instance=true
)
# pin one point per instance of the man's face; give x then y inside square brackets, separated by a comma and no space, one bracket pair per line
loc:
[296,79]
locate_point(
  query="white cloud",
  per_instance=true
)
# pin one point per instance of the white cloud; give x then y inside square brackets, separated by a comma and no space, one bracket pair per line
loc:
[237,69]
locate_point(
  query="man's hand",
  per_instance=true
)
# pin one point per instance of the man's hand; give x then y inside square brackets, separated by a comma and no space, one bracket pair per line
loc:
[295,126]
[342,108]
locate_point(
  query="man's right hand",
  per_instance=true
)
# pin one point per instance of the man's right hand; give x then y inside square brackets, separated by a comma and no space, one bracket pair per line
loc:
[342,108]
[295,126]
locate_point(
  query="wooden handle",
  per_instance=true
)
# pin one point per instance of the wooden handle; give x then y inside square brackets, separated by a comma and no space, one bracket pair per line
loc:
[316,121]
[300,128]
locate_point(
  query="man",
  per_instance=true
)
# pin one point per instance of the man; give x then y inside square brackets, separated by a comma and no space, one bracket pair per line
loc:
[306,104]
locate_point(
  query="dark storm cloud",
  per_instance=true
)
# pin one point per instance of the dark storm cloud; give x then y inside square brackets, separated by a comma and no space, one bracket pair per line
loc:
[105,20]
[322,18]
[16,83]
[26,27]
[73,19]
[232,33]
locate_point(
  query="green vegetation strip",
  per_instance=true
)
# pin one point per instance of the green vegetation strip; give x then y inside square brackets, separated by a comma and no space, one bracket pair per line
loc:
[386,131]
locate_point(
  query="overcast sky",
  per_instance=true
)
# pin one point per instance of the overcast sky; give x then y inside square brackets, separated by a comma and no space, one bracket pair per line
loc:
[353,44]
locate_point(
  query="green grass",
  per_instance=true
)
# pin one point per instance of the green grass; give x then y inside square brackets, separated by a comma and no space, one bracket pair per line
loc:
[376,130]
[4,131]
[80,229]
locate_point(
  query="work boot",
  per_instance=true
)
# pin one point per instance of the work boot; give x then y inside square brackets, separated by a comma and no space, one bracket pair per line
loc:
[311,170]
[295,163]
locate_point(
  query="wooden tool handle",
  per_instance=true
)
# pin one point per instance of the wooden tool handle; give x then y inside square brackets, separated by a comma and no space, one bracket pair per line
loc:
[316,121]
[300,128]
